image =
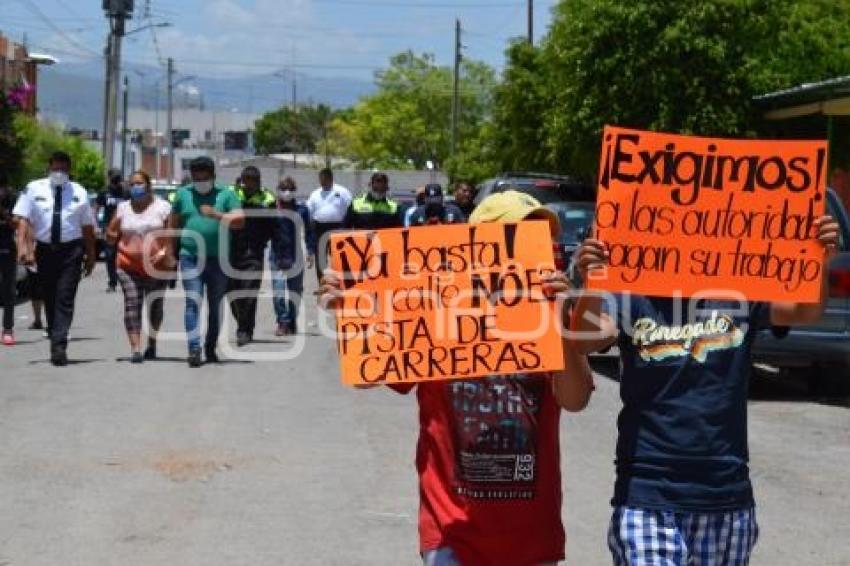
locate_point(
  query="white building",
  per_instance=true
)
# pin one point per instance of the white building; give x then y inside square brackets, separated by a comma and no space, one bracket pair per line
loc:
[222,135]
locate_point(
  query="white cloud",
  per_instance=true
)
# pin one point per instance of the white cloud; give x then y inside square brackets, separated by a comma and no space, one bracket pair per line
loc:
[227,14]
[265,34]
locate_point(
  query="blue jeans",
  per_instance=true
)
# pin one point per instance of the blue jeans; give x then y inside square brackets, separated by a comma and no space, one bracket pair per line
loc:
[287,296]
[195,281]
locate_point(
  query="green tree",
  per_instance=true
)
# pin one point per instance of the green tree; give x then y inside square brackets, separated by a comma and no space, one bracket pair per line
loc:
[11,156]
[38,141]
[690,67]
[515,136]
[407,121]
[283,130]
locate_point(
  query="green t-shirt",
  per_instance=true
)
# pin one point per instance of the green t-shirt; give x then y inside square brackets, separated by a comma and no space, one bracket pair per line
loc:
[187,204]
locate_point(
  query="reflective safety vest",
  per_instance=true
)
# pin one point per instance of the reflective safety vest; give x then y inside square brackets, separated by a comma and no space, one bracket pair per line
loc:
[368,213]
[263,198]
[364,205]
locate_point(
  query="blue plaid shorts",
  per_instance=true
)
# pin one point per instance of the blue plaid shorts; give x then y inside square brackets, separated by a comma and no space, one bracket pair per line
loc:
[644,537]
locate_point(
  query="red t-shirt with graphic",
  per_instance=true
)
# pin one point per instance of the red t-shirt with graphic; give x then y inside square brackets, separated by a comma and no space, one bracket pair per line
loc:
[489,470]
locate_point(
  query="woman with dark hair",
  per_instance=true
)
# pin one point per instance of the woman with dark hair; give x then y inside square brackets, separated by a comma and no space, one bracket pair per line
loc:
[144,260]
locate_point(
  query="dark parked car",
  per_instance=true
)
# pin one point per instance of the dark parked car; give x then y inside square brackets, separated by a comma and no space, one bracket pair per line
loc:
[544,187]
[576,220]
[572,199]
[819,353]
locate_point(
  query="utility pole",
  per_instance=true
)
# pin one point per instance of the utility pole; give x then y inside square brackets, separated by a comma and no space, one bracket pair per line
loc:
[156,137]
[294,112]
[107,57]
[169,141]
[294,83]
[531,22]
[125,129]
[456,93]
[118,12]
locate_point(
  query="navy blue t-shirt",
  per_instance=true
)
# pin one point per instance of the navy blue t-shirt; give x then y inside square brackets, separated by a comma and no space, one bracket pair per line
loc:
[682,442]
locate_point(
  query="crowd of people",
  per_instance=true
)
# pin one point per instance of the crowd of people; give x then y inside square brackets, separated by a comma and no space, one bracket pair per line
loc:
[488,456]
[215,238]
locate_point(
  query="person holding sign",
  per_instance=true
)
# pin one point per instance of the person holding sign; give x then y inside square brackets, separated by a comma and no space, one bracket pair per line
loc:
[682,493]
[488,452]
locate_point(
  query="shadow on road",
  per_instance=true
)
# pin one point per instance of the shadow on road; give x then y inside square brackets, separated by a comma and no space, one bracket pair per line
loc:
[70,363]
[163,359]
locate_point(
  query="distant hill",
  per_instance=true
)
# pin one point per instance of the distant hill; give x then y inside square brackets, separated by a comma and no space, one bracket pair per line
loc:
[72,93]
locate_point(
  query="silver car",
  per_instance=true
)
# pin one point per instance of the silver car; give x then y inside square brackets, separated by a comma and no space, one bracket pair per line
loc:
[819,353]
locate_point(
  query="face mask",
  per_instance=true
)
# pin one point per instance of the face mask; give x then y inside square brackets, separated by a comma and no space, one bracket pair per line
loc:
[203,187]
[376,195]
[58,178]
[138,192]
[286,196]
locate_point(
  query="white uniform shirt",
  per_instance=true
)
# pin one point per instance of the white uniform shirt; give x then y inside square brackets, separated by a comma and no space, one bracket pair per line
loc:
[329,206]
[36,205]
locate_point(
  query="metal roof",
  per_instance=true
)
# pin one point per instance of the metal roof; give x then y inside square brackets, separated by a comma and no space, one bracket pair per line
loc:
[806,92]
[830,97]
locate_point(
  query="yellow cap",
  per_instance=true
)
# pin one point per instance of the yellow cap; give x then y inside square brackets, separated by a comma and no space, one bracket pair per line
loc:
[513,206]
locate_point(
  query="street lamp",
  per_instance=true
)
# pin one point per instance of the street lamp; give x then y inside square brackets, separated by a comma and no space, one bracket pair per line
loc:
[149,26]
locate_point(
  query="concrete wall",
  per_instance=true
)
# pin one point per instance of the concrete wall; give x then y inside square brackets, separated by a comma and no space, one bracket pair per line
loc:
[355,181]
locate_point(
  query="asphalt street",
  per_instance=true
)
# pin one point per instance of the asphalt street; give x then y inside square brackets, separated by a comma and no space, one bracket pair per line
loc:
[274,462]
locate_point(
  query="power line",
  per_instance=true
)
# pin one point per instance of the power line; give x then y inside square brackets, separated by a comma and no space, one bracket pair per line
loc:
[149,16]
[56,29]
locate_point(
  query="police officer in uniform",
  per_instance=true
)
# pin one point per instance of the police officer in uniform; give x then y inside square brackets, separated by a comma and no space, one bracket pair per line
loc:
[249,250]
[373,209]
[56,234]
[327,206]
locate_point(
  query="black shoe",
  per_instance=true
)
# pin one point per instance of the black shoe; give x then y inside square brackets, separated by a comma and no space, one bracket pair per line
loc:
[212,357]
[243,338]
[293,327]
[150,352]
[36,326]
[58,357]
[195,359]
[112,289]
[136,358]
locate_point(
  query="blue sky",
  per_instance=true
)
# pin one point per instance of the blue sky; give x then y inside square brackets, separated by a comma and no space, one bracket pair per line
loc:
[256,37]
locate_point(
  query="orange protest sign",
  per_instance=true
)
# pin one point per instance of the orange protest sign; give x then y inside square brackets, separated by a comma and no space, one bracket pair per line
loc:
[685,215]
[442,302]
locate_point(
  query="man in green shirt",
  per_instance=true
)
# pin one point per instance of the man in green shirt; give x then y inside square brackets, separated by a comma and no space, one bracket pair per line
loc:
[204,213]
